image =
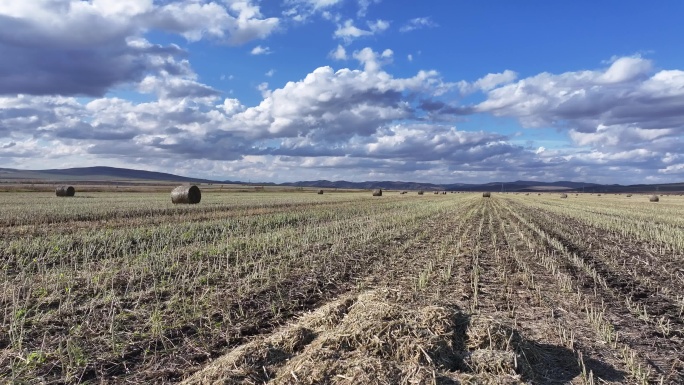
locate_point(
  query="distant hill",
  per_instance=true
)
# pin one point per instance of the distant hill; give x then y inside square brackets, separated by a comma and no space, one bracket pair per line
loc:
[94,174]
[113,174]
[517,186]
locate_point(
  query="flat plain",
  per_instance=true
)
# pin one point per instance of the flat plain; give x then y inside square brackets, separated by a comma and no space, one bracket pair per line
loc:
[341,288]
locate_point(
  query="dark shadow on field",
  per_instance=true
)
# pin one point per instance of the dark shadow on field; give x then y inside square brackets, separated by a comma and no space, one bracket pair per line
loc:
[491,351]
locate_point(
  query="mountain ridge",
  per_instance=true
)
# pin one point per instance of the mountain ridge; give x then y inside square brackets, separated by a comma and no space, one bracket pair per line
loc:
[104,173]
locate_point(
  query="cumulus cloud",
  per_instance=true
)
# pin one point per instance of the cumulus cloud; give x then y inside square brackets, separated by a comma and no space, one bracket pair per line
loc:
[328,113]
[259,50]
[418,23]
[488,82]
[623,106]
[339,53]
[349,32]
[73,47]
[364,5]
[301,10]
[373,61]
[363,124]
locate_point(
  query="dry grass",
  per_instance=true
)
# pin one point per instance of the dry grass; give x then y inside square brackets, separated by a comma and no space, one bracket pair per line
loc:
[369,339]
[296,288]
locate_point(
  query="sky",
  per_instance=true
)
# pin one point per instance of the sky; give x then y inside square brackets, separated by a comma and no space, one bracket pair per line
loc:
[441,91]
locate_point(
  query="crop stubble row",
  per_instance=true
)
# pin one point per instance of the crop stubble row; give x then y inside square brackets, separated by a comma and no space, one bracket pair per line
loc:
[154,305]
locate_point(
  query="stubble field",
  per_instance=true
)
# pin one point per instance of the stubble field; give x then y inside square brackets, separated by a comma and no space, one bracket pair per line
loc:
[341,288]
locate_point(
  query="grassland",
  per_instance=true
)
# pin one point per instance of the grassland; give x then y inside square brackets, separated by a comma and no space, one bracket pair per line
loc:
[275,287]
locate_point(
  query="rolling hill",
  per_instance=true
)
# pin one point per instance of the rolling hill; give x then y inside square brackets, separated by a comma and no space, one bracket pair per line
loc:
[113,174]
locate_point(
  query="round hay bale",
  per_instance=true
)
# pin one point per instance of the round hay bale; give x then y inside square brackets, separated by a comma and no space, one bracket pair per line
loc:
[377,192]
[564,195]
[65,191]
[436,192]
[629,195]
[654,198]
[186,194]
[420,192]
[320,192]
[403,192]
[486,194]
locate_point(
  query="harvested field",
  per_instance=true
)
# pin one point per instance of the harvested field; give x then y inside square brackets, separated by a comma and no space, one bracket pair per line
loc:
[341,288]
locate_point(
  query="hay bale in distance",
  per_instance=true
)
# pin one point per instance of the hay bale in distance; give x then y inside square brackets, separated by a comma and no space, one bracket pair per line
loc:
[403,192]
[320,192]
[629,195]
[436,192]
[654,198]
[377,192]
[420,192]
[486,194]
[186,194]
[564,195]
[65,191]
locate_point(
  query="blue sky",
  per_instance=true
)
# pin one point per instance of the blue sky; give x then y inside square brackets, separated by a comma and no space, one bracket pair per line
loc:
[434,91]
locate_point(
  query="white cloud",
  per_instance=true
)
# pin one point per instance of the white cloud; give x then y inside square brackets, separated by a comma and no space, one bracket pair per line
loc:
[357,124]
[378,25]
[339,53]
[673,169]
[623,98]
[108,37]
[321,4]
[418,23]
[270,73]
[302,10]
[371,60]
[364,5]
[259,50]
[349,32]
[488,82]
[625,69]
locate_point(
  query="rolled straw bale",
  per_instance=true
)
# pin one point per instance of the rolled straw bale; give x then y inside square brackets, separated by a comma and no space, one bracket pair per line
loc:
[186,194]
[486,194]
[65,191]
[420,192]
[564,195]
[377,192]
[654,198]
[320,192]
